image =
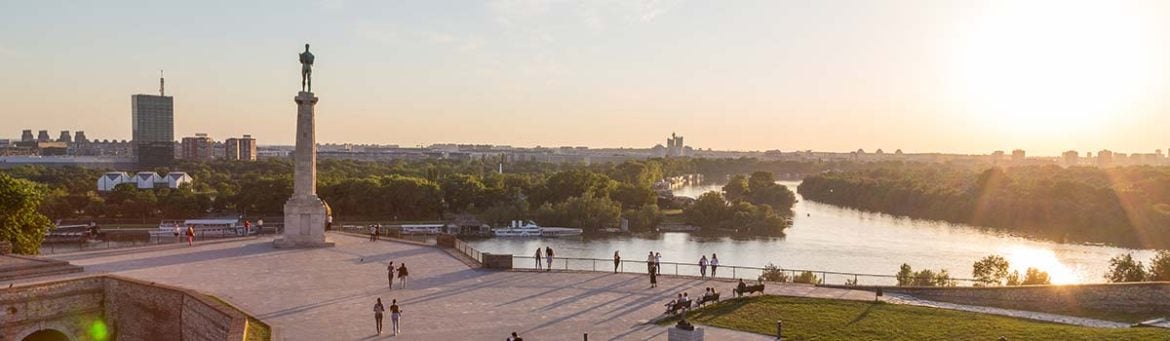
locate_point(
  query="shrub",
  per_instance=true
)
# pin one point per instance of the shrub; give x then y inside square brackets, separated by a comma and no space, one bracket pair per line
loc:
[990,270]
[773,273]
[1124,269]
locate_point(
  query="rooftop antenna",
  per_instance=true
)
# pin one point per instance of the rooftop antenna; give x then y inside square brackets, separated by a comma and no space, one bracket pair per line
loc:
[161,84]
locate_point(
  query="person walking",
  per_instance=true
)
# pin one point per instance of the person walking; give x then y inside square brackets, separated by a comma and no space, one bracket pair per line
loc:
[178,233]
[190,235]
[703,267]
[650,262]
[373,233]
[539,256]
[390,274]
[395,315]
[402,275]
[260,226]
[378,310]
[714,264]
[617,260]
[548,255]
[247,227]
[658,262]
[653,277]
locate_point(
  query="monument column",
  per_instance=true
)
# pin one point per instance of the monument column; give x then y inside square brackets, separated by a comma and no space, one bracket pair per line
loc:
[304,212]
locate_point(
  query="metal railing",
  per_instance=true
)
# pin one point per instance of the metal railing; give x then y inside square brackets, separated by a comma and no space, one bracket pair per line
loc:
[466,249]
[719,272]
[386,233]
[116,239]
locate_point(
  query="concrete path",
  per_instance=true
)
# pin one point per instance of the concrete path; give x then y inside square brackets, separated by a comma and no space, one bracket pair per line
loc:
[328,294]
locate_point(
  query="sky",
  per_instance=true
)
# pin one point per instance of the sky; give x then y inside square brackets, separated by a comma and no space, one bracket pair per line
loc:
[921,76]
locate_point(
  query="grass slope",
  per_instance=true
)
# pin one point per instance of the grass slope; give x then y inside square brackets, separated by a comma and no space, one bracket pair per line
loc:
[826,319]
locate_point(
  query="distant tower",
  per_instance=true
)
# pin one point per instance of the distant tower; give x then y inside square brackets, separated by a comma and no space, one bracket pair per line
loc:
[161,84]
[26,136]
[65,137]
[43,136]
[79,137]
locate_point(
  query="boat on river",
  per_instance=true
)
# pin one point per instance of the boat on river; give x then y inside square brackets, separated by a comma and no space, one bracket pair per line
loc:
[521,228]
[202,227]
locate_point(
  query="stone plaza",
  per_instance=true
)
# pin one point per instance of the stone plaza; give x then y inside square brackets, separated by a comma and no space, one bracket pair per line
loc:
[329,293]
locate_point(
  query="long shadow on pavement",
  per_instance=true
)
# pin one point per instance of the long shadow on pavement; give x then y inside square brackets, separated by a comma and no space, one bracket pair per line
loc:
[185,258]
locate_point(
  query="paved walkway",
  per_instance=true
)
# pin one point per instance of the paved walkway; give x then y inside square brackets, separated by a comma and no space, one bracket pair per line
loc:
[328,294]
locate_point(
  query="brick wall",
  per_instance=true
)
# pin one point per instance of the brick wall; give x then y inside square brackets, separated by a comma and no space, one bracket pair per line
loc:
[132,310]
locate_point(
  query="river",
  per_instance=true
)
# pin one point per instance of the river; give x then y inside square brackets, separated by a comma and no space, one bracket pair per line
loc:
[829,238]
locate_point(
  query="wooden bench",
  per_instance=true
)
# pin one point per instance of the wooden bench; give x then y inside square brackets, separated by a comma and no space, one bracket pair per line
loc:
[748,289]
[707,298]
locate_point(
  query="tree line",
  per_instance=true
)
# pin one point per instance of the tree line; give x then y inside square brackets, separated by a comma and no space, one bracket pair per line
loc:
[591,197]
[1128,206]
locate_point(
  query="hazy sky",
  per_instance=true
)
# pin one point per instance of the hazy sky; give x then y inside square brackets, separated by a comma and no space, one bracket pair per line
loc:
[930,75]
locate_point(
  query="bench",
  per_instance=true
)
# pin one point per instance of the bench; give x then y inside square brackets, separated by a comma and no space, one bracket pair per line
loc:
[673,307]
[707,298]
[748,289]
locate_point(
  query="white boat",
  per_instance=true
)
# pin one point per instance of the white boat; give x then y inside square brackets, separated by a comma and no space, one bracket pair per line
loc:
[521,228]
[425,229]
[203,228]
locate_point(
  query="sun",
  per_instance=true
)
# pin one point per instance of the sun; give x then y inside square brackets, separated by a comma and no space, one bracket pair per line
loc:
[1021,258]
[1049,68]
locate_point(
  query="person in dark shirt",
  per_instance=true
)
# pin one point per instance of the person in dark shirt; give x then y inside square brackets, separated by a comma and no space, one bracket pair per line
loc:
[395,314]
[390,274]
[402,275]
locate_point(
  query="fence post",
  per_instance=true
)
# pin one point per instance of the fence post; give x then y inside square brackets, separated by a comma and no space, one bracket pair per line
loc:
[676,269]
[594,268]
[732,271]
[779,329]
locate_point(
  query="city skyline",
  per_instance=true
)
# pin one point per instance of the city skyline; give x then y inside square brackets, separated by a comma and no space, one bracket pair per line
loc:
[951,77]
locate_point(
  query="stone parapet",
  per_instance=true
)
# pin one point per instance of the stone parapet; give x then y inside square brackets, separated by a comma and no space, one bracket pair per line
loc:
[1144,297]
[497,261]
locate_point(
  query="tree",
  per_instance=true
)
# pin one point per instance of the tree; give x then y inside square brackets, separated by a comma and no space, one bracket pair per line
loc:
[709,210]
[645,218]
[461,191]
[736,188]
[1013,278]
[588,213]
[21,222]
[773,273]
[1036,277]
[1160,266]
[991,270]
[1123,268]
[905,275]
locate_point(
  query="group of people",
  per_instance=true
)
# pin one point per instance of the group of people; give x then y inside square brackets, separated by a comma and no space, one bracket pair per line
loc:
[395,315]
[395,311]
[704,262]
[189,232]
[374,228]
[402,275]
[548,255]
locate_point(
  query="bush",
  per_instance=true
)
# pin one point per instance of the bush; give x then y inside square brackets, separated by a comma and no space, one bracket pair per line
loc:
[806,277]
[1036,277]
[1124,269]
[773,273]
[1160,267]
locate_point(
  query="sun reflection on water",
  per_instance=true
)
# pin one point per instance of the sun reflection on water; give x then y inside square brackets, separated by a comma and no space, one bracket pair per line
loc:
[1024,257]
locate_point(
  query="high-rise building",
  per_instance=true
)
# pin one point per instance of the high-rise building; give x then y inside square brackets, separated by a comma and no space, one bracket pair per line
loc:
[153,124]
[26,136]
[240,148]
[79,137]
[1104,158]
[65,137]
[43,136]
[675,146]
[197,148]
[1018,156]
[1071,158]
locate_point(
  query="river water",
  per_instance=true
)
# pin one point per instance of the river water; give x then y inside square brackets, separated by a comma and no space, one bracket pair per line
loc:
[829,238]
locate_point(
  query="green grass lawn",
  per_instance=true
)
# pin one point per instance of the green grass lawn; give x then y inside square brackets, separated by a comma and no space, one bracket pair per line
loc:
[826,319]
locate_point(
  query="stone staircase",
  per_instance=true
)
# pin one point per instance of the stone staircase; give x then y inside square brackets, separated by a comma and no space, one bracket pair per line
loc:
[14,267]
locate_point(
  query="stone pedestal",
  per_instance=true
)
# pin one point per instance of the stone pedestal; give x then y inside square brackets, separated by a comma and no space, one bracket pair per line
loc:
[304,213]
[678,334]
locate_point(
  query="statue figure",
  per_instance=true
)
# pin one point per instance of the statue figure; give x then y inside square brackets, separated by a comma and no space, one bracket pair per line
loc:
[306,70]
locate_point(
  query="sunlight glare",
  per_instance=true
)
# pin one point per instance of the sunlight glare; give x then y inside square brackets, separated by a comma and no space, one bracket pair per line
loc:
[1023,257]
[1052,67]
